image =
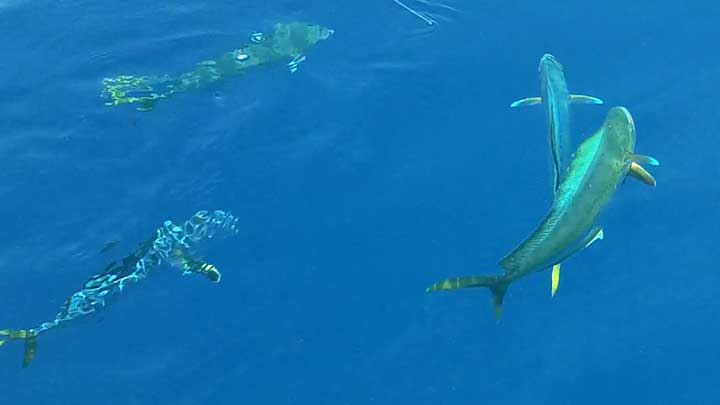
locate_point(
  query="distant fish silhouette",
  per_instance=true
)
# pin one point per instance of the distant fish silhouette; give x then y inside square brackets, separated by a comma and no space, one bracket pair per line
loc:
[109,246]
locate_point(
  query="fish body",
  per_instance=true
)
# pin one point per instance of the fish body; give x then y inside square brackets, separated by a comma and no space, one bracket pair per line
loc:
[171,243]
[287,43]
[556,100]
[599,166]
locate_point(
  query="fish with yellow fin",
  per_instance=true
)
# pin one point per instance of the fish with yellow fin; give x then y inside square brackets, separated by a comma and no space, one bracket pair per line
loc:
[556,99]
[600,164]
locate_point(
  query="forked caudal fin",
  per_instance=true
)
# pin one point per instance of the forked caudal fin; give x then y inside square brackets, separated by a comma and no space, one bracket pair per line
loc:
[30,342]
[496,284]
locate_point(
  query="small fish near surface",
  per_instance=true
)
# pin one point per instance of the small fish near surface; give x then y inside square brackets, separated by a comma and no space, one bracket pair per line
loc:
[601,163]
[556,99]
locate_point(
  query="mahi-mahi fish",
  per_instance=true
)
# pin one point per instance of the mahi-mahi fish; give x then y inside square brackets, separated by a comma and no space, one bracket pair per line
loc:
[600,164]
[556,98]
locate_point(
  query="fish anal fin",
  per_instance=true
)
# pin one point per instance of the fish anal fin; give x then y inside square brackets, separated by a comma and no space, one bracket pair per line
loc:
[555,279]
[639,173]
[594,235]
[644,160]
[526,102]
[583,99]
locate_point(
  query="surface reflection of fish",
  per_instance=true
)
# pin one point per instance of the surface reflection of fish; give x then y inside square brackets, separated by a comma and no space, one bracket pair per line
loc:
[287,43]
[172,244]
[600,165]
[556,99]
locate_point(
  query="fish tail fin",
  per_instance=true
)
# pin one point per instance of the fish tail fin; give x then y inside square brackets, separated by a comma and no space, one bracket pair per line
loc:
[526,102]
[497,285]
[583,99]
[28,336]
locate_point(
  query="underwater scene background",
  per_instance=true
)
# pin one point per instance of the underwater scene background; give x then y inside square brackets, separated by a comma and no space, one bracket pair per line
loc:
[390,159]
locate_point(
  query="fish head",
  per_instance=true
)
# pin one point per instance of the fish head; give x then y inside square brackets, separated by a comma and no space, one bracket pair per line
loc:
[548,62]
[619,133]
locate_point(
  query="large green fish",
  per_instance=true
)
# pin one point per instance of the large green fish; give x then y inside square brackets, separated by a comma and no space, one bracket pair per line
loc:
[556,99]
[601,163]
[287,43]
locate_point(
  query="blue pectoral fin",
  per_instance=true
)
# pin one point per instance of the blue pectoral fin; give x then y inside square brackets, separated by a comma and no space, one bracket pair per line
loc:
[527,101]
[644,160]
[594,235]
[583,99]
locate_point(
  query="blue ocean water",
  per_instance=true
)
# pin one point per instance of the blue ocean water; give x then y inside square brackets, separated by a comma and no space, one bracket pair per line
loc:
[389,161]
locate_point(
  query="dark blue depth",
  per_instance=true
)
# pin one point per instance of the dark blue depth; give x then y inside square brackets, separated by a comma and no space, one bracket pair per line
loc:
[388,161]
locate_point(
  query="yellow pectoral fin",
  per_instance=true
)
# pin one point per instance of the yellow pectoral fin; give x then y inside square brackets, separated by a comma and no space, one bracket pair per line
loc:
[2,342]
[638,172]
[555,278]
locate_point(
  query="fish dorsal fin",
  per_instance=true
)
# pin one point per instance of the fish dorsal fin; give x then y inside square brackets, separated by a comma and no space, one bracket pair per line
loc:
[526,102]
[639,173]
[583,99]
[644,160]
